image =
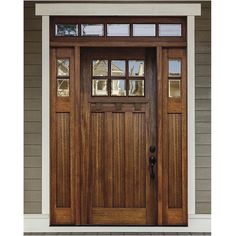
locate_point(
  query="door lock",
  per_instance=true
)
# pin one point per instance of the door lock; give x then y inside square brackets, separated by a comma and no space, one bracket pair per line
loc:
[152,162]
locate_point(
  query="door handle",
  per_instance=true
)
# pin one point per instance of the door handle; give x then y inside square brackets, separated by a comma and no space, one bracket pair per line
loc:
[152,162]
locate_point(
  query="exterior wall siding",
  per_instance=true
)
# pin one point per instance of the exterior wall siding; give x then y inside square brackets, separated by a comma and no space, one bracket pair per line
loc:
[32,110]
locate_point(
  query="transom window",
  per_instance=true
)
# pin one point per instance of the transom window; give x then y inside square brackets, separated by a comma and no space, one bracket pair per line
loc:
[118,78]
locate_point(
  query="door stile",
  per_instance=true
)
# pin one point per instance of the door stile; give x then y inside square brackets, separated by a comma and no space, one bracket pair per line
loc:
[159,122]
[77,128]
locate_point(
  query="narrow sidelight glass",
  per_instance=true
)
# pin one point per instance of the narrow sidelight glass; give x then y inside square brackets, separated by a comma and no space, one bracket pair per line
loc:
[174,68]
[62,87]
[174,88]
[62,65]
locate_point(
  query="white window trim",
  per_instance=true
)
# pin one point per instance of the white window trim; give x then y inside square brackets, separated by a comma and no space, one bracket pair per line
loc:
[40,222]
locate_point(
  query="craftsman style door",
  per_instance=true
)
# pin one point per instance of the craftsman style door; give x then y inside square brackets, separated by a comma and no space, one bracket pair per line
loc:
[118,136]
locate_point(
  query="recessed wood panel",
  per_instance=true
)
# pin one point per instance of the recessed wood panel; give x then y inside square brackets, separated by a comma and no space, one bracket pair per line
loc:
[175,161]
[63,191]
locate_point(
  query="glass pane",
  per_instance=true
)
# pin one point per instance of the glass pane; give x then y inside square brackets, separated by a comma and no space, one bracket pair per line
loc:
[118,68]
[118,30]
[62,67]
[136,68]
[144,29]
[99,87]
[174,88]
[92,30]
[174,68]
[136,87]
[66,30]
[118,87]
[169,29]
[62,87]
[100,68]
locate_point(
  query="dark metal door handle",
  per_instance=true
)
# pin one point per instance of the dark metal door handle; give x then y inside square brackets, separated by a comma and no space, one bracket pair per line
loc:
[152,162]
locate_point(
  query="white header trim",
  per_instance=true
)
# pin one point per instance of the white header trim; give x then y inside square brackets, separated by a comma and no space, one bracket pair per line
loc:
[120,9]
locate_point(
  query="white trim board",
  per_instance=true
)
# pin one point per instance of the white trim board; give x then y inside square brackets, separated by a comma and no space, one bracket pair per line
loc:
[109,9]
[40,223]
[188,10]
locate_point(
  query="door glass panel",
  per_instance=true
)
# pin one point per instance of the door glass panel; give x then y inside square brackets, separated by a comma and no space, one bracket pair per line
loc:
[62,87]
[118,87]
[136,68]
[136,87]
[118,68]
[170,30]
[66,30]
[174,68]
[99,87]
[144,30]
[100,68]
[62,67]
[174,88]
[92,30]
[118,30]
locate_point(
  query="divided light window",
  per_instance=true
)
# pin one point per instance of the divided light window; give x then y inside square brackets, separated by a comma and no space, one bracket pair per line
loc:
[118,30]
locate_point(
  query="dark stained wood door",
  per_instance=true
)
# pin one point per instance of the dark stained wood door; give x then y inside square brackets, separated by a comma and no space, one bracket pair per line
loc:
[116,186]
[100,173]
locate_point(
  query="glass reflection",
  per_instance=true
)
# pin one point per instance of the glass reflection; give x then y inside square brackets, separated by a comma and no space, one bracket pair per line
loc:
[92,30]
[118,29]
[174,66]
[62,87]
[66,30]
[144,30]
[62,67]
[136,87]
[170,30]
[136,68]
[99,87]
[118,87]
[174,88]
[118,68]
[100,68]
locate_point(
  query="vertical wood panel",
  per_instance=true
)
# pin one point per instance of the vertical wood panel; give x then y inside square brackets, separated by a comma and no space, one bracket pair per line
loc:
[63,191]
[118,160]
[175,161]
[97,153]
[139,158]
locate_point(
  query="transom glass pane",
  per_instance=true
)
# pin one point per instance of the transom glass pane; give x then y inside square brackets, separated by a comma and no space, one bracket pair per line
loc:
[62,67]
[136,87]
[144,30]
[174,88]
[62,87]
[99,87]
[100,68]
[118,87]
[174,68]
[66,30]
[169,29]
[136,68]
[92,30]
[118,29]
[118,68]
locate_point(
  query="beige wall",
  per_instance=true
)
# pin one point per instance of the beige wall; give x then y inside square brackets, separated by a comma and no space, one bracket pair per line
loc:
[32,81]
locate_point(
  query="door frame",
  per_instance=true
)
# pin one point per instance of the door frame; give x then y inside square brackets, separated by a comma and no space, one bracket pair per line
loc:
[153,9]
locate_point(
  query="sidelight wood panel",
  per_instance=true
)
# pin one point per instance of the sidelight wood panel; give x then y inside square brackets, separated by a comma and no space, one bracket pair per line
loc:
[63,179]
[62,148]
[174,148]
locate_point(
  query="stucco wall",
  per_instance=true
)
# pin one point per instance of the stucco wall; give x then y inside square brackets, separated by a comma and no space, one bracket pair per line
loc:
[32,110]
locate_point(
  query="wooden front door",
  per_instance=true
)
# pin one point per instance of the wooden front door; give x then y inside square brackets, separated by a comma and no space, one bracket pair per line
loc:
[118,136]
[118,127]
